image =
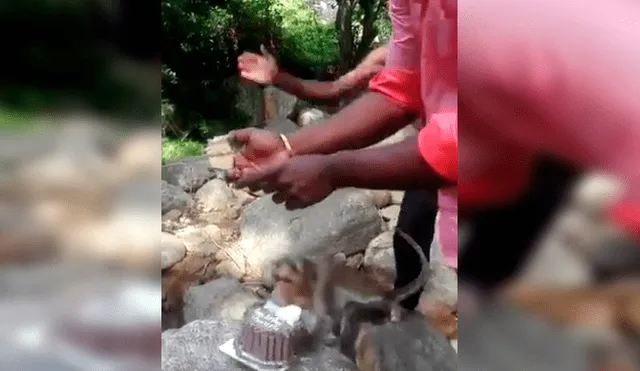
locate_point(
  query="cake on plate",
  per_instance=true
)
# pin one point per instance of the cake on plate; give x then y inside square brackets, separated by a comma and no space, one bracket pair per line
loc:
[271,335]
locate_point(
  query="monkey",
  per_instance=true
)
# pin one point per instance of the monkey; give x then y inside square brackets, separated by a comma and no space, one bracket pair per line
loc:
[410,345]
[347,322]
[314,286]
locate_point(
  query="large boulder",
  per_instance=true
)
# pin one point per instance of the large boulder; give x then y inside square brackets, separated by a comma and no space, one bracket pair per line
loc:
[174,198]
[346,222]
[278,104]
[310,116]
[194,347]
[216,195]
[172,250]
[379,254]
[281,126]
[189,173]
[224,298]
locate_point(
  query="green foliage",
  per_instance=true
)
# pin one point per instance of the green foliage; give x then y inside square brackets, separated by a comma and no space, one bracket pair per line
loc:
[175,149]
[202,40]
[311,42]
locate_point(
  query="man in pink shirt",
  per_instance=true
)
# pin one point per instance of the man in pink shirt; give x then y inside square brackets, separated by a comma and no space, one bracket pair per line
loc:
[539,84]
[298,178]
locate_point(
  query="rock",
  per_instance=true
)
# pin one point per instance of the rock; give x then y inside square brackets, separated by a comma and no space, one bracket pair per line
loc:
[230,268]
[194,347]
[244,197]
[412,344]
[194,269]
[139,154]
[390,214]
[355,261]
[218,146]
[249,98]
[442,285]
[221,163]
[174,198]
[220,217]
[379,253]
[310,116]
[189,173]
[278,104]
[216,195]
[281,126]
[344,222]
[381,198]
[340,257]
[205,240]
[396,197]
[172,216]
[172,250]
[223,298]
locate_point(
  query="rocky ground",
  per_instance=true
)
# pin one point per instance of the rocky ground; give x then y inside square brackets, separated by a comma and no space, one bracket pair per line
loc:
[219,244]
[211,229]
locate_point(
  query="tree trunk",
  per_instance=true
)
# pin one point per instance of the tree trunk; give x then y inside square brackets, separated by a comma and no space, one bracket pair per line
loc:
[344,17]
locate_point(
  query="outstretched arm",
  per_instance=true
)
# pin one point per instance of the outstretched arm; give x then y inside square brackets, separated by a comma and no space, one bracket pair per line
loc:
[430,162]
[320,90]
[396,166]
[364,122]
[393,102]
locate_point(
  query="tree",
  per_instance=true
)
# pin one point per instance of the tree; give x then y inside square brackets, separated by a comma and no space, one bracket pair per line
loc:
[358,23]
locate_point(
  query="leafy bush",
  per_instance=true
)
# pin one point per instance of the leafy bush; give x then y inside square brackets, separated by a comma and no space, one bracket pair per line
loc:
[174,149]
[305,38]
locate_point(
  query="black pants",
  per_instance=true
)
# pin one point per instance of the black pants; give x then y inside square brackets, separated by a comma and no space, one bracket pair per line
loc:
[501,239]
[417,219]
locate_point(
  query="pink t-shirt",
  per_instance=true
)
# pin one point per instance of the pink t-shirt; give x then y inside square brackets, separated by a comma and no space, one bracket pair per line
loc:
[420,75]
[560,77]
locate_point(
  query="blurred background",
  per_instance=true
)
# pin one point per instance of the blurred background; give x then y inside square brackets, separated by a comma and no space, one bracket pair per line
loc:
[79,196]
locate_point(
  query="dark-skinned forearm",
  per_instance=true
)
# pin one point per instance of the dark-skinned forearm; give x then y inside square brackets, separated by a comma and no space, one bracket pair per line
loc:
[396,166]
[308,89]
[364,122]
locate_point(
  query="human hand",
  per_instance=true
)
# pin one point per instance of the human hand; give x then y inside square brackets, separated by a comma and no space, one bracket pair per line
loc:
[298,182]
[255,149]
[260,68]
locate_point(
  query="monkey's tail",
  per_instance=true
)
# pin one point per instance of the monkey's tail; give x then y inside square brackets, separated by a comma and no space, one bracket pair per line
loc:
[419,282]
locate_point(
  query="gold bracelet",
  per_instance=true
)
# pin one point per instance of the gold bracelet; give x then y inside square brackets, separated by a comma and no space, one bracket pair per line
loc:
[287,145]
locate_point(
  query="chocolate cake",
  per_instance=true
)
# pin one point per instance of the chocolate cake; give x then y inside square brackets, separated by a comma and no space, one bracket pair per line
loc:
[271,335]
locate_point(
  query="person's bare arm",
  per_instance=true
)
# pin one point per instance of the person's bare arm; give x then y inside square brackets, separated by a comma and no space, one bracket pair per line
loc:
[321,90]
[396,166]
[364,122]
[307,89]
[377,56]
